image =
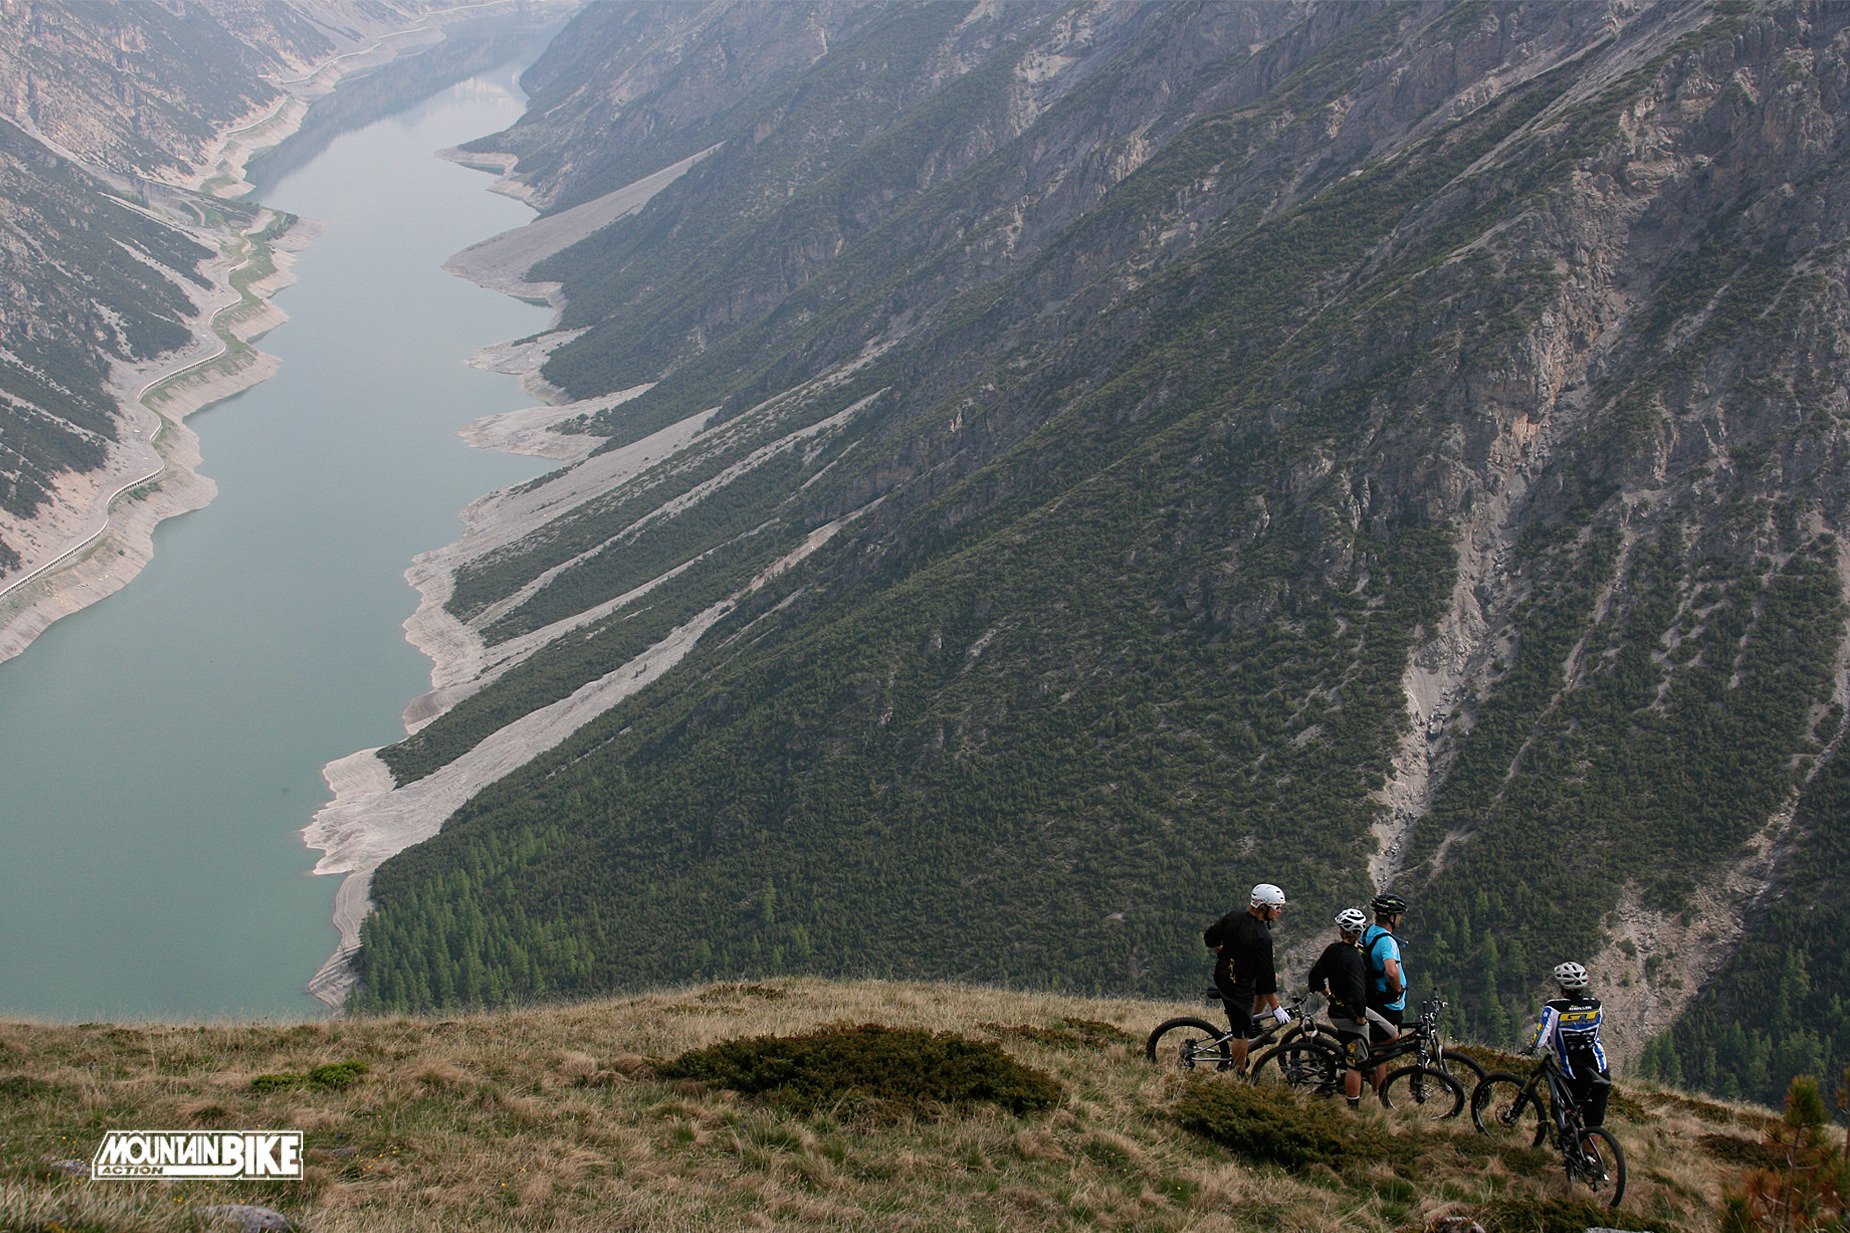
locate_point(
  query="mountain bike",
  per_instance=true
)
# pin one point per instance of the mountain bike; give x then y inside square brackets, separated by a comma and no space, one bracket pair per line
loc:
[1315,1064]
[1510,1108]
[1461,1067]
[1190,1043]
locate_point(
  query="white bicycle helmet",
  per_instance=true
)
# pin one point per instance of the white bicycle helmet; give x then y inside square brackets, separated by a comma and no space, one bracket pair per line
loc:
[1570,976]
[1265,895]
[1352,920]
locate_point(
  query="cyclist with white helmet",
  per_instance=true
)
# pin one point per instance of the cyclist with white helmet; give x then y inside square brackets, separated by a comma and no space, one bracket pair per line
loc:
[1243,967]
[1569,1028]
[1341,974]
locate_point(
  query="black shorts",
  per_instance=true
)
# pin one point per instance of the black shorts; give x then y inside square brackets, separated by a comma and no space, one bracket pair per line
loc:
[1592,1089]
[1379,1034]
[1239,1002]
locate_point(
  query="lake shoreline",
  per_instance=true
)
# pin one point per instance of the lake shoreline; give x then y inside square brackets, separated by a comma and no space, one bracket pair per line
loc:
[99,534]
[371,818]
[154,475]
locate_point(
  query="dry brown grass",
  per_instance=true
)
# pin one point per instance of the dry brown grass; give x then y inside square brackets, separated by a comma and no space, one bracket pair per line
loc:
[552,1118]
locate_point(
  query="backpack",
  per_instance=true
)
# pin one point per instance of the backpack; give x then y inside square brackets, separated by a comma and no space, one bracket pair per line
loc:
[1377,966]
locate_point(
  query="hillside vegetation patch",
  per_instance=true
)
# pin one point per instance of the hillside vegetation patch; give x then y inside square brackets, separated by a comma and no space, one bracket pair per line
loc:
[1527,1214]
[1275,1127]
[332,1077]
[877,1069]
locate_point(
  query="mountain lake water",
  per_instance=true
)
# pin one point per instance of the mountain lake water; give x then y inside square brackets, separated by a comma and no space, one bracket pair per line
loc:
[160,751]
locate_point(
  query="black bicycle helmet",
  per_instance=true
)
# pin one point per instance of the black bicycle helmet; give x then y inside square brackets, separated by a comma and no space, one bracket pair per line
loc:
[1389,904]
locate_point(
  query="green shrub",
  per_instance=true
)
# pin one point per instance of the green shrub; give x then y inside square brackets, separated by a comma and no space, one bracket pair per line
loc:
[1275,1126]
[1064,1033]
[884,1070]
[331,1077]
[1746,1153]
[23,1087]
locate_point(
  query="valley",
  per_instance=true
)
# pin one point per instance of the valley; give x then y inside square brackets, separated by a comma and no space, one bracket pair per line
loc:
[1007,478]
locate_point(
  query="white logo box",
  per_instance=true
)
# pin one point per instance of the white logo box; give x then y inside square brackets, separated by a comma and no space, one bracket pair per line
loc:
[196,1155]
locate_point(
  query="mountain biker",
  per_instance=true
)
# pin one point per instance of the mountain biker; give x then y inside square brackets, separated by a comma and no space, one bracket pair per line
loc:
[1243,968]
[1387,985]
[1341,974]
[1569,1027]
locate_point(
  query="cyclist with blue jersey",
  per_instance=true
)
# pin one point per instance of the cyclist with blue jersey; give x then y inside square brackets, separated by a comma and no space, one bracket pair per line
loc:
[1387,977]
[1569,1028]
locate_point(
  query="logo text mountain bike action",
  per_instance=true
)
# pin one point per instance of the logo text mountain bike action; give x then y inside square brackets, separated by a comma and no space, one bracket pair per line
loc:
[178,1155]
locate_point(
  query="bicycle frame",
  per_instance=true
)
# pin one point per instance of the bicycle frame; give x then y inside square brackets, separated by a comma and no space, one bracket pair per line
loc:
[1271,1031]
[1563,1109]
[1422,1038]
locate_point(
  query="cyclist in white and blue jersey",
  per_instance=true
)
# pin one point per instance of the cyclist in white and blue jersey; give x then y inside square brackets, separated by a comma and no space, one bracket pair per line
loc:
[1569,1028]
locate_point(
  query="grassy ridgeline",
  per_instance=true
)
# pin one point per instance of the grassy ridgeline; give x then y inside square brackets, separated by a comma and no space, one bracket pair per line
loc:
[562,1117]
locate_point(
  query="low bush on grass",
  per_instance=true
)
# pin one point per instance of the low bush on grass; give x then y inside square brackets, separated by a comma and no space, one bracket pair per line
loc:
[1747,1153]
[879,1069]
[1064,1033]
[22,1087]
[1275,1126]
[1557,1215]
[329,1078]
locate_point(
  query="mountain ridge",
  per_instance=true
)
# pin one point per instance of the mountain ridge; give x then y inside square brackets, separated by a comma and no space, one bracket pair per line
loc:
[1452,409]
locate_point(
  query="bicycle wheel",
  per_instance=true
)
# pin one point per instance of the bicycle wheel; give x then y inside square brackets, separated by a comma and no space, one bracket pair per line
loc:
[1503,1108]
[1600,1168]
[1468,1073]
[1304,1064]
[1188,1044]
[1424,1091]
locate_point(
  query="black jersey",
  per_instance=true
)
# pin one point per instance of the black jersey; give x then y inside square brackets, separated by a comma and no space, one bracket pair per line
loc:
[1341,971]
[1245,959]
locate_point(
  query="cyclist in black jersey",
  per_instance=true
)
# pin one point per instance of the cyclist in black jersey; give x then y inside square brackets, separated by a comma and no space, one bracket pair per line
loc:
[1341,974]
[1243,968]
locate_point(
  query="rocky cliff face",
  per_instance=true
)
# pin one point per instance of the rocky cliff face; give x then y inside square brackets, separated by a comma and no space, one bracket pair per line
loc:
[146,88]
[1131,450]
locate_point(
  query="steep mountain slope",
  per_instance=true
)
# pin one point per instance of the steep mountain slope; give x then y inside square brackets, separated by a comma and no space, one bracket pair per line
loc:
[1147,448]
[76,263]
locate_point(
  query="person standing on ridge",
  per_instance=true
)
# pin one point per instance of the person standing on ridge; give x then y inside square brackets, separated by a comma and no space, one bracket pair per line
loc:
[1387,977]
[1341,975]
[1243,967]
[1569,1028]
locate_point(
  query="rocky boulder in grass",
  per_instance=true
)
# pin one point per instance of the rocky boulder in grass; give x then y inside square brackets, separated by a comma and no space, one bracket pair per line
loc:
[245,1217]
[871,1068]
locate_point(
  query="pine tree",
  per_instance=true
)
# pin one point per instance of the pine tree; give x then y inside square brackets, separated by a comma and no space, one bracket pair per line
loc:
[1806,1193]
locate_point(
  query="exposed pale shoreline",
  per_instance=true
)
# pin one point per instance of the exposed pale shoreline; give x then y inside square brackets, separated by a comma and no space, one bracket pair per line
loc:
[370,819]
[89,562]
[99,533]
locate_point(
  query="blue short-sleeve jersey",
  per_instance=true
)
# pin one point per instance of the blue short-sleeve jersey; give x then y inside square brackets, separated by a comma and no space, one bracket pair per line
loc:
[1381,946]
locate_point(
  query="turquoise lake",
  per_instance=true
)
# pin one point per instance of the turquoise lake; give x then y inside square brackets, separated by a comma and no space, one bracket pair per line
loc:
[161,750]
